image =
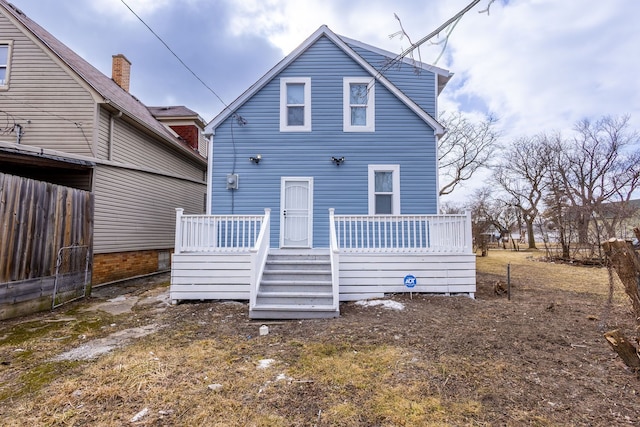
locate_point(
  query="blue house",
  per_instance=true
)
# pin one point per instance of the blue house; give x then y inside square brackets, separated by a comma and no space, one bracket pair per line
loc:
[323,187]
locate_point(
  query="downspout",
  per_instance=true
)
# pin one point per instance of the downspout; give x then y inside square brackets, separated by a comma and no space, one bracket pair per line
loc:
[112,119]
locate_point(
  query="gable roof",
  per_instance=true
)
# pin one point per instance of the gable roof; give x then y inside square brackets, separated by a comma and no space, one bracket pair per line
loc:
[341,42]
[110,92]
[443,75]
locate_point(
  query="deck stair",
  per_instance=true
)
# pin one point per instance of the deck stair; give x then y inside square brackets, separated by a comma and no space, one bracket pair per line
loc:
[296,284]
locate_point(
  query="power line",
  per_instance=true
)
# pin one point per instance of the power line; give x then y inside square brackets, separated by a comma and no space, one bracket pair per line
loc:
[175,54]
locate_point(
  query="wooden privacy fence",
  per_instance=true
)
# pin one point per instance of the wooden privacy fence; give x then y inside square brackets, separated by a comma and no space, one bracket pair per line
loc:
[37,220]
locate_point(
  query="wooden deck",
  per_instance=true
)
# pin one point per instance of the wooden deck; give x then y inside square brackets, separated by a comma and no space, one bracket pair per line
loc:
[368,258]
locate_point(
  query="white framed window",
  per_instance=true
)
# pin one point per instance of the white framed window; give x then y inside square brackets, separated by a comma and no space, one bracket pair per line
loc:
[384,189]
[359,104]
[5,62]
[295,104]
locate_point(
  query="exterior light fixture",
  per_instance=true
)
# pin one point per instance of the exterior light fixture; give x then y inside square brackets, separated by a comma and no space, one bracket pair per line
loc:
[256,159]
[337,160]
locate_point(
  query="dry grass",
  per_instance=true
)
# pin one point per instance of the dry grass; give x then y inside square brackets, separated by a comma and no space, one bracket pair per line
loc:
[443,361]
[529,267]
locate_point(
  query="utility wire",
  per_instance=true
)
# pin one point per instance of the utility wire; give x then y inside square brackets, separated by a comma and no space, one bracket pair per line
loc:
[175,54]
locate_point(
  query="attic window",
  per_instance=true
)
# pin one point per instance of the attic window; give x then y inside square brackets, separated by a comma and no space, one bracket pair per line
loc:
[5,61]
[358,104]
[295,104]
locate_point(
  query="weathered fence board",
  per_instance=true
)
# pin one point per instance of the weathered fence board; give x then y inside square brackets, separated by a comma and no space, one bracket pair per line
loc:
[36,220]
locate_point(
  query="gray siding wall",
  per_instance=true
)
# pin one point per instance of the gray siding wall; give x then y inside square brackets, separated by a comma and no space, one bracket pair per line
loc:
[135,210]
[44,99]
[131,146]
[400,138]
[135,204]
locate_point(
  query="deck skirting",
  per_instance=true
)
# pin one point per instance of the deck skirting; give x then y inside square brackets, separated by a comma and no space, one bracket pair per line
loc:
[227,276]
[373,275]
[210,276]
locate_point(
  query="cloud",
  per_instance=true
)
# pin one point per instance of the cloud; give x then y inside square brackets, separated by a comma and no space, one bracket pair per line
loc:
[117,9]
[542,65]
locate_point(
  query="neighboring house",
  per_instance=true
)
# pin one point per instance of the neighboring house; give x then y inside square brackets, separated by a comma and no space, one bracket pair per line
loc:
[66,123]
[338,146]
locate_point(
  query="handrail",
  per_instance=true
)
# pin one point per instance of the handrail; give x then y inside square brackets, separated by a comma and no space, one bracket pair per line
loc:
[216,233]
[334,256]
[259,253]
[404,233]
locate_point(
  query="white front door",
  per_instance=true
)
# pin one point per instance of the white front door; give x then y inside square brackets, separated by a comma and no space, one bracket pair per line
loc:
[296,213]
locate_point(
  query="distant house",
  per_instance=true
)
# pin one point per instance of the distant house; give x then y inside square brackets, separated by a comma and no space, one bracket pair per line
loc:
[337,145]
[66,123]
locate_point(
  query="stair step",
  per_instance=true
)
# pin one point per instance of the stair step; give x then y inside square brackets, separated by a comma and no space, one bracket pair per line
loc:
[295,285]
[288,294]
[278,311]
[285,307]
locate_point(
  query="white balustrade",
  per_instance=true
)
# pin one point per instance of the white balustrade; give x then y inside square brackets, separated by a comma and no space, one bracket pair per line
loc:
[216,233]
[403,233]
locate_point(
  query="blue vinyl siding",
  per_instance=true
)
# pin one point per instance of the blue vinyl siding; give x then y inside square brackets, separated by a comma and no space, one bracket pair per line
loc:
[419,86]
[401,138]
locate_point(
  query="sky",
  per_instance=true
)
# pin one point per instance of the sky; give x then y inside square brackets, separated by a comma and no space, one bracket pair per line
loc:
[536,65]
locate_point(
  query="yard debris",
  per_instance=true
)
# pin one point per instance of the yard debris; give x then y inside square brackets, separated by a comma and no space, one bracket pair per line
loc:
[140,415]
[391,305]
[215,387]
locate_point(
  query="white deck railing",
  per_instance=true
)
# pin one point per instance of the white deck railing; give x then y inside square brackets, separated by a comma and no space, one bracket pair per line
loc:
[404,233]
[334,257]
[216,233]
[259,255]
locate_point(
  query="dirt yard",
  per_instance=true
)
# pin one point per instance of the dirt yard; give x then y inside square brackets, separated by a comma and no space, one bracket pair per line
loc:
[126,357]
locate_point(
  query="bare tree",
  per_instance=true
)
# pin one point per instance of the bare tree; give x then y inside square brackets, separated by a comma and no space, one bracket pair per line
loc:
[491,214]
[600,167]
[466,147]
[522,174]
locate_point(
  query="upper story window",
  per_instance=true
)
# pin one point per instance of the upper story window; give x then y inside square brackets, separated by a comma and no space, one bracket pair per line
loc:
[384,189]
[295,104]
[359,104]
[5,61]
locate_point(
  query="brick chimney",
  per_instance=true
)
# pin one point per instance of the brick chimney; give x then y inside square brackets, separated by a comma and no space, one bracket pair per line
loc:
[121,71]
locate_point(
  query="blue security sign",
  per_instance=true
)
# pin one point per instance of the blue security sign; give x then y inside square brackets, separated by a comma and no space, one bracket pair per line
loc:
[410,281]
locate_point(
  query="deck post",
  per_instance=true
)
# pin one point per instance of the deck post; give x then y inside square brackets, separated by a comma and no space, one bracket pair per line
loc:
[334,256]
[178,242]
[468,234]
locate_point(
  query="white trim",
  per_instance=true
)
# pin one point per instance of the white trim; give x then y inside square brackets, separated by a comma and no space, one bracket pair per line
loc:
[309,181]
[7,66]
[284,81]
[395,199]
[323,31]
[209,175]
[346,104]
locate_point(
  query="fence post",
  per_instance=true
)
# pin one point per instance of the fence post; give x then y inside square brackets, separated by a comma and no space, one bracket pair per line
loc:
[178,242]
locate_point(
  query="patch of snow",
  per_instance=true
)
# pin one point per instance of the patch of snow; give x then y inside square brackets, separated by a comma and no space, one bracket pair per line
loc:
[95,348]
[391,305]
[265,363]
[283,377]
